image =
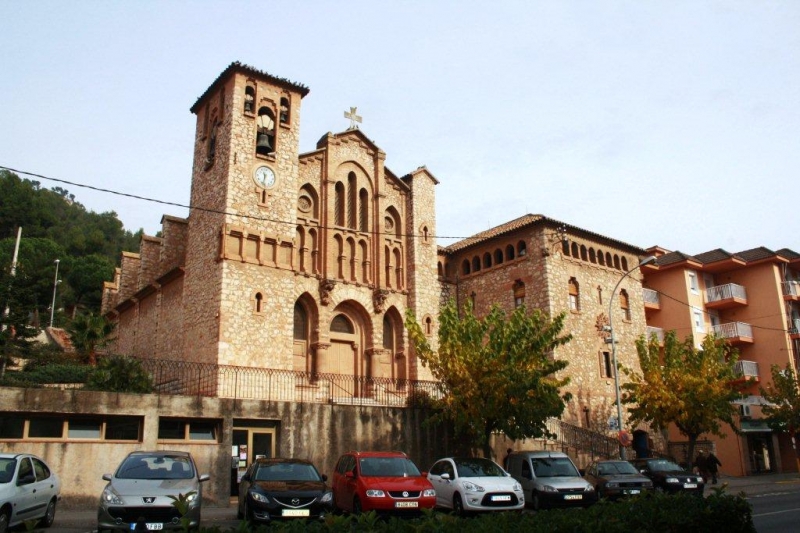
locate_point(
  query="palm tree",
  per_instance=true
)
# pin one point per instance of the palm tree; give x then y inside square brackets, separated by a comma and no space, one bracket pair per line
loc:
[88,333]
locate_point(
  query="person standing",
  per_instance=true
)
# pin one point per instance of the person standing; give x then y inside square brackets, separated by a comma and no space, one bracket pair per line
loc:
[701,464]
[505,459]
[712,465]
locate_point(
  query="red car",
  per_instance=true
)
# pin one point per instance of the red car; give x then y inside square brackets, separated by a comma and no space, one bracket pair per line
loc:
[385,482]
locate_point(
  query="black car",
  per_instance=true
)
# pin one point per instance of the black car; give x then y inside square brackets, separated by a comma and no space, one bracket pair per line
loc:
[283,489]
[616,479]
[668,476]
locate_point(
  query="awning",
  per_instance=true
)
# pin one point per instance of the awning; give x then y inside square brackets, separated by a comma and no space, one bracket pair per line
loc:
[754,426]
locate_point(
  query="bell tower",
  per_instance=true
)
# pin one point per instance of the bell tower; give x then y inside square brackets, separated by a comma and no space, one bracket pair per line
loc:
[243,198]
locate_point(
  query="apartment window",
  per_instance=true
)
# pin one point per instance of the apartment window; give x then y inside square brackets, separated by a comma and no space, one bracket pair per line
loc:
[188,429]
[519,293]
[695,288]
[607,365]
[699,324]
[26,426]
[574,295]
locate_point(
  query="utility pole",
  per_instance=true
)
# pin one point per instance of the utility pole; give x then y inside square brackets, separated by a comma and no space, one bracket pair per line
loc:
[7,310]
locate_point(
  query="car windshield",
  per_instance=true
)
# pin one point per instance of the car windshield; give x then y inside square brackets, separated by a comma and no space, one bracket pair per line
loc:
[554,467]
[662,465]
[7,466]
[478,468]
[286,472]
[388,467]
[616,468]
[156,467]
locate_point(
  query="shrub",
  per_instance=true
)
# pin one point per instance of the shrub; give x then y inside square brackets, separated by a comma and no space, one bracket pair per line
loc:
[119,374]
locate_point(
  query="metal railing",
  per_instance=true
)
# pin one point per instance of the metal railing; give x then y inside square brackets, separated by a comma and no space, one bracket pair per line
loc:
[794,326]
[732,330]
[746,369]
[791,288]
[725,292]
[651,297]
[582,440]
[238,382]
[658,332]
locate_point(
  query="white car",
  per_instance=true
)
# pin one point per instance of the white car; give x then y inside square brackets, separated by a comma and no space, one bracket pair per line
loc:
[29,490]
[469,484]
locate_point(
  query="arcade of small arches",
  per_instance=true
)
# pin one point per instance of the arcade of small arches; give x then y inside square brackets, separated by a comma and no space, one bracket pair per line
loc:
[490,259]
[590,255]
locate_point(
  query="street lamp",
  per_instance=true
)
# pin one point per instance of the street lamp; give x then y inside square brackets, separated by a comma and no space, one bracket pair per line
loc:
[646,261]
[55,287]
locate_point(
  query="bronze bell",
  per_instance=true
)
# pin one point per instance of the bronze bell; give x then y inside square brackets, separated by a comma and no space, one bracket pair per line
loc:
[262,143]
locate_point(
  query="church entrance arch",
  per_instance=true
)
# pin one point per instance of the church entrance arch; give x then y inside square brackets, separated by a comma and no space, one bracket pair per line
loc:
[344,362]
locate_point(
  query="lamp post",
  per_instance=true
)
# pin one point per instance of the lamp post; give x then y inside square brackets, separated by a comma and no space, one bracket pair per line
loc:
[55,287]
[646,261]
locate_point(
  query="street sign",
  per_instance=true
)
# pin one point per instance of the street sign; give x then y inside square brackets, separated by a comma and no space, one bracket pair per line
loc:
[613,423]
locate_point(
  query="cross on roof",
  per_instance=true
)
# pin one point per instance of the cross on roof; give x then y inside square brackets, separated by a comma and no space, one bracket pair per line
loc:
[353,117]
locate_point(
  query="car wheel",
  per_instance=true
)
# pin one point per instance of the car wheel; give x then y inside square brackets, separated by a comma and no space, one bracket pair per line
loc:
[357,506]
[49,514]
[3,521]
[458,505]
[248,516]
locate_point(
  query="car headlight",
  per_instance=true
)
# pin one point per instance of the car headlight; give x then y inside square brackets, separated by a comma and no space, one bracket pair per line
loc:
[192,496]
[472,487]
[700,480]
[327,497]
[612,485]
[428,493]
[110,496]
[375,493]
[672,480]
[517,487]
[588,488]
[548,488]
[257,496]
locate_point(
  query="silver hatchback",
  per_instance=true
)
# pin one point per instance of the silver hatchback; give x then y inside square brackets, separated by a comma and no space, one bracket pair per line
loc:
[147,492]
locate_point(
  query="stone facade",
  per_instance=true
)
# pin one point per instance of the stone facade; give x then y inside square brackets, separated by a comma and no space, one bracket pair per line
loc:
[303,262]
[537,261]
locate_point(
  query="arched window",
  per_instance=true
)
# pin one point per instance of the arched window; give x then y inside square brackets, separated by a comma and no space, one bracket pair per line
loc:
[211,149]
[300,323]
[575,253]
[476,264]
[363,210]
[393,223]
[265,132]
[428,326]
[616,262]
[592,256]
[259,302]
[521,249]
[565,247]
[465,267]
[487,260]
[584,254]
[574,295]
[498,257]
[519,293]
[624,304]
[341,324]
[624,263]
[510,254]
[301,337]
[439,269]
[609,261]
[388,334]
[249,99]
[339,204]
[424,233]
[352,186]
[285,114]
[600,293]
[601,259]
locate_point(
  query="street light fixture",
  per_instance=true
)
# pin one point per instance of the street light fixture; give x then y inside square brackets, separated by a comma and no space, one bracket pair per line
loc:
[55,287]
[646,261]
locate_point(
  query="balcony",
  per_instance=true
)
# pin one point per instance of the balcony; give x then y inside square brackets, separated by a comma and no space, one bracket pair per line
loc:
[734,332]
[725,296]
[658,332]
[746,371]
[794,328]
[791,290]
[651,300]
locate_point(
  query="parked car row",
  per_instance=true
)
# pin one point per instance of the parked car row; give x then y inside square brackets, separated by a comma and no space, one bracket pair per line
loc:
[162,490]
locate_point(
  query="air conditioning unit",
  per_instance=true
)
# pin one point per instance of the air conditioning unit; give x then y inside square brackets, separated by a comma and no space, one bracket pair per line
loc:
[744,411]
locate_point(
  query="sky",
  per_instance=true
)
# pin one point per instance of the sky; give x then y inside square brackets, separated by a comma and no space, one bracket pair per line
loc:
[669,123]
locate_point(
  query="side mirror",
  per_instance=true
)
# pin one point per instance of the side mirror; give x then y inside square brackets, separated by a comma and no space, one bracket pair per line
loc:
[423,474]
[204,477]
[324,477]
[445,476]
[582,471]
[107,477]
[350,474]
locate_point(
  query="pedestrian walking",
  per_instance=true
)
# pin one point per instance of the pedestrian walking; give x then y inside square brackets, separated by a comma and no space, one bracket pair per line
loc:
[712,465]
[701,465]
[505,459]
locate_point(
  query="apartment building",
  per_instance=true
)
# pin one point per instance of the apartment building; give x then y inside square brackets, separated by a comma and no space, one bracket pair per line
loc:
[752,299]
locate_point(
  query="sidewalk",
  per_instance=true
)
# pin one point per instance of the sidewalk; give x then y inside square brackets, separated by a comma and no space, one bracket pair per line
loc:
[757,484]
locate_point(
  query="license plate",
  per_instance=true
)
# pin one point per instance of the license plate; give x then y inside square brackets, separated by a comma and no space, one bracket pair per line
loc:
[295,512]
[690,485]
[633,491]
[573,496]
[406,504]
[501,498]
[155,526]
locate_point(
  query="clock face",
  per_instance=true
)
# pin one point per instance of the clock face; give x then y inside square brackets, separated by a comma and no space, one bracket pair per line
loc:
[264,177]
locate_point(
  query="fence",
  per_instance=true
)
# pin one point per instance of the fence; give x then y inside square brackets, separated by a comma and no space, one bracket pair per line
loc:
[238,382]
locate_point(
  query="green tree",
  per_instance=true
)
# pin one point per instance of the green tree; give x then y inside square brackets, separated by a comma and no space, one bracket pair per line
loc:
[120,374]
[496,371]
[85,276]
[88,332]
[783,412]
[685,386]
